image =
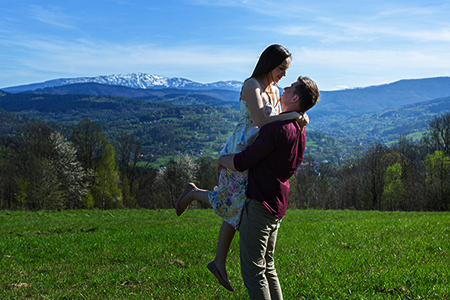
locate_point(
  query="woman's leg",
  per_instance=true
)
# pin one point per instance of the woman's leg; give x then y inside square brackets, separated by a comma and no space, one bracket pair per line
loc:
[226,235]
[200,195]
[191,193]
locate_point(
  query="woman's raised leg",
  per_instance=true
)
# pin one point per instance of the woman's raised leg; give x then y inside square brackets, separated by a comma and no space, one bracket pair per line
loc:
[226,235]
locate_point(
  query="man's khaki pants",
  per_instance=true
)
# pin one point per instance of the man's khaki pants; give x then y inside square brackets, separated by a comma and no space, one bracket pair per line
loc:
[257,235]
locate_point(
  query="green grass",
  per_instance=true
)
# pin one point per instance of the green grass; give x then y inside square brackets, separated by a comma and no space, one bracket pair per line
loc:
[416,136]
[152,254]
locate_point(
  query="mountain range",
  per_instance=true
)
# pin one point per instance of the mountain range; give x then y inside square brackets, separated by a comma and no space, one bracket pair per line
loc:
[374,98]
[132,80]
[346,102]
[148,94]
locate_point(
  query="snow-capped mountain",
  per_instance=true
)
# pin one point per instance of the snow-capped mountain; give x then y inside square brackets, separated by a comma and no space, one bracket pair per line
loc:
[133,80]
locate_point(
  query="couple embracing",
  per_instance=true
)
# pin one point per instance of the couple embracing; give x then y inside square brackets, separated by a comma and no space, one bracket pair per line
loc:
[263,152]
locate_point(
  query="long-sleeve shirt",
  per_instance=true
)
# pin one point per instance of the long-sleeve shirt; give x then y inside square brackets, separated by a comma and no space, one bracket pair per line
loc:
[271,160]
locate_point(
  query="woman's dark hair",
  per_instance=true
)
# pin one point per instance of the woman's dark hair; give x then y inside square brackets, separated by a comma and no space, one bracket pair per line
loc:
[270,58]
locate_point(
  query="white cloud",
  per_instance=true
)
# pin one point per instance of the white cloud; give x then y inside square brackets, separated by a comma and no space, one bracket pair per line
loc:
[374,60]
[53,16]
[353,68]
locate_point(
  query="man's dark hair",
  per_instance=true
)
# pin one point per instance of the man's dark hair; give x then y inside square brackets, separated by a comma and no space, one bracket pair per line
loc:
[308,92]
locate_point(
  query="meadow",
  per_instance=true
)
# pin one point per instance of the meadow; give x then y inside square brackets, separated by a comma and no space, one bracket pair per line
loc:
[152,254]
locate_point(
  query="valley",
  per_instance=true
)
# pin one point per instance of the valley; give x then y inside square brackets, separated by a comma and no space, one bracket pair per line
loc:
[169,120]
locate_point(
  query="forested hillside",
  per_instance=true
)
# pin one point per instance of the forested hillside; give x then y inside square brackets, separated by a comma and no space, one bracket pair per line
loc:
[163,128]
[8,122]
[80,151]
[384,126]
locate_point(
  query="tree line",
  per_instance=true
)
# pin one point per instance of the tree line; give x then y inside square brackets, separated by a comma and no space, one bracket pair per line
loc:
[409,176]
[47,166]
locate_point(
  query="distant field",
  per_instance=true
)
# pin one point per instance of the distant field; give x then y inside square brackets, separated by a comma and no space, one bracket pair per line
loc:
[416,135]
[152,254]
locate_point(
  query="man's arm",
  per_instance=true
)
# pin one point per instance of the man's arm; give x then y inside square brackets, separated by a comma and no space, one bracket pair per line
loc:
[264,144]
[227,161]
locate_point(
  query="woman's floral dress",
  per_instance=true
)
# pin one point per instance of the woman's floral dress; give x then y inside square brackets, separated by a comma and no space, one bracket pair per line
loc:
[229,197]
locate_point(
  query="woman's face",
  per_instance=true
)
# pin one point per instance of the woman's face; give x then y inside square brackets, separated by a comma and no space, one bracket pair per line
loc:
[280,71]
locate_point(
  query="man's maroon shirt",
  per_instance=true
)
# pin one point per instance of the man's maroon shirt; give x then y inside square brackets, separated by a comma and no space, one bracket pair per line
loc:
[271,160]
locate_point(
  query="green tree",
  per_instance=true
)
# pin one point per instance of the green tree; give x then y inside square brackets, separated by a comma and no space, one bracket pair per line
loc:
[106,189]
[127,199]
[129,153]
[394,190]
[438,180]
[413,169]
[21,192]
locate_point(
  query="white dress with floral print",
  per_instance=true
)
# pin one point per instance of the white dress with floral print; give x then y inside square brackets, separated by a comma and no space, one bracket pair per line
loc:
[229,197]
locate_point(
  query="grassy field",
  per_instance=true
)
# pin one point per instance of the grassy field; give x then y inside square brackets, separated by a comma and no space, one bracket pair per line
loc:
[152,254]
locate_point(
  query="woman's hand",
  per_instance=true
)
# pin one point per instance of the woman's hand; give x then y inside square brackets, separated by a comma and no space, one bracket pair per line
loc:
[303,120]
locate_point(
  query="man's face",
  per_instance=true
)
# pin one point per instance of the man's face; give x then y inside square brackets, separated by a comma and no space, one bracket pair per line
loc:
[288,93]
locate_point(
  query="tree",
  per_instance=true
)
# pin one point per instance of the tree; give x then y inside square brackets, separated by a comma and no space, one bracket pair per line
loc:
[349,189]
[438,136]
[136,173]
[43,170]
[147,191]
[304,184]
[128,152]
[89,141]
[394,190]
[312,187]
[106,190]
[413,173]
[125,144]
[437,180]
[206,176]
[171,180]
[372,176]
[127,199]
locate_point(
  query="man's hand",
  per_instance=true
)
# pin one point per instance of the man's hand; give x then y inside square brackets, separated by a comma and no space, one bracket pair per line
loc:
[226,161]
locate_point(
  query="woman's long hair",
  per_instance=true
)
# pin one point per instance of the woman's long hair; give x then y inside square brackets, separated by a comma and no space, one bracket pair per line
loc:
[270,58]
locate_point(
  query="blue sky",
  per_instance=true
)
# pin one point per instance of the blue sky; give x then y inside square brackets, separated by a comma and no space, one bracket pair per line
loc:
[337,43]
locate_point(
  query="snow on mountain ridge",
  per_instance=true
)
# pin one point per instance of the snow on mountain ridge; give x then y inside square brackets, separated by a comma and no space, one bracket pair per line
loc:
[133,80]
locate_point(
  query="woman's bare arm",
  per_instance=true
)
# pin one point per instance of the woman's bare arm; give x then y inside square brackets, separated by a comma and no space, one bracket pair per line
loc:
[251,93]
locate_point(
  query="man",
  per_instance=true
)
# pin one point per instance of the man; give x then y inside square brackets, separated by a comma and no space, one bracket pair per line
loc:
[271,160]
